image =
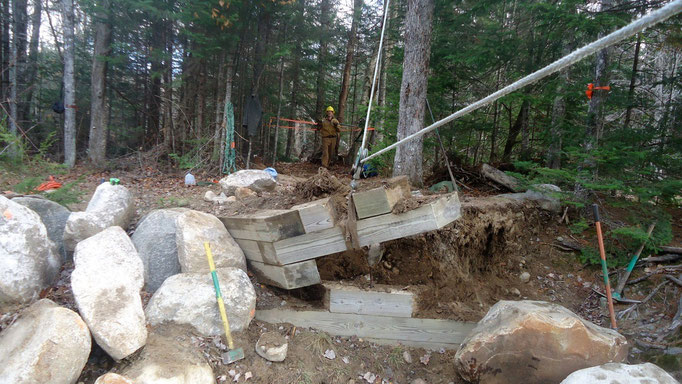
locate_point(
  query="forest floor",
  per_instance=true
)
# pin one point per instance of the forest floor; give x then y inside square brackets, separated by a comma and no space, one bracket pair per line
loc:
[461,271]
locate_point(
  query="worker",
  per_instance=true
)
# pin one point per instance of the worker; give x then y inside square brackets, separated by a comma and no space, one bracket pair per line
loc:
[329,131]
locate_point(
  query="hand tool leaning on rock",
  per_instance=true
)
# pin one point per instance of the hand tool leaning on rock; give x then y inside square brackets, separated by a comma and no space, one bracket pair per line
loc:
[232,354]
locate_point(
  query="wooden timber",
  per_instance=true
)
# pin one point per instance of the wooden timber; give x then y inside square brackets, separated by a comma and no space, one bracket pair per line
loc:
[447,333]
[379,201]
[266,225]
[379,301]
[370,231]
[500,177]
[290,276]
[426,218]
[316,215]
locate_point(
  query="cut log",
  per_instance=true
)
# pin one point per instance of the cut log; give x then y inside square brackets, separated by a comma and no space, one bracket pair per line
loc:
[676,250]
[430,332]
[379,301]
[316,215]
[426,218]
[295,249]
[380,201]
[290,276]
[266,225]
[500,177]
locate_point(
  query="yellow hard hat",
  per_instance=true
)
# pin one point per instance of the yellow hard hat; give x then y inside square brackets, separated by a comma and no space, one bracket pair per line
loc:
[330,108]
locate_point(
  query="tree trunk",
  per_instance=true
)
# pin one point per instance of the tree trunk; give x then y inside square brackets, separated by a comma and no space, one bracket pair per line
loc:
[168,142]
[514,130]
[633,81]
[408,157]
[553,159]
[156,51]
[69,86]
[20,17]
[32,65]
[325,21]
[99,114]
[279,107]
[350,52]
[296,73]
[5,54]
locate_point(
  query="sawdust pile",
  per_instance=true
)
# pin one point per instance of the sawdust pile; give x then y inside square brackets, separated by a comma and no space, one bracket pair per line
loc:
[321,185]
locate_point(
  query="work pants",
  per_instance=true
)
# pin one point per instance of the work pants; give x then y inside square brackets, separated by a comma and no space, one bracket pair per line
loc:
[328,149]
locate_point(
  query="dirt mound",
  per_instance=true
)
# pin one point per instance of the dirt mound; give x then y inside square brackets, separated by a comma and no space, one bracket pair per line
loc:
[464,267]
[321,185]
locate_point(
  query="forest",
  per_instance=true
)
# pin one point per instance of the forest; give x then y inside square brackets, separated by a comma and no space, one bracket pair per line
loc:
[93,81]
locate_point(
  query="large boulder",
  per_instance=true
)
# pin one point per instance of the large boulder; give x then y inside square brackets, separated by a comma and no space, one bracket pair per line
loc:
[154,239]
[48,344]
[106,284]
[189,298]
[113,378]
[193,229]
[111,205]
[256,180]
[616,373]
[52,214]
[170,357]
[534,342]
[29,260]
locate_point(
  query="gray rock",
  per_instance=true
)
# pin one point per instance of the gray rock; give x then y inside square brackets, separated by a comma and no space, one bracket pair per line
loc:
[154,239]
[113,378]
[524,277]
[189,298]
[546,188]
[211,197]
[543,200]
[534,342]
[407,357]
[106,284]
[111,205]
[48,344]
[29,260]
[52,214]
[616,373]
[193,229]
[272,346]
[170,358]
[256,180]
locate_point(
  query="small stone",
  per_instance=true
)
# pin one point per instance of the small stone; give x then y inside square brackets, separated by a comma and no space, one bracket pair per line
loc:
[242,193]
[330,354]
[525,277]
[231,372]
[272,346]
[236,377]
[418,381]
[559,238]
[369,377]
[407,357]
[231,199]
[515,291]
[346,360]
[248,375]
[426,358]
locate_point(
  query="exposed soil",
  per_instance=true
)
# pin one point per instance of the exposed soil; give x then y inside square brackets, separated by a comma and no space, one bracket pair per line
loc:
[459,272]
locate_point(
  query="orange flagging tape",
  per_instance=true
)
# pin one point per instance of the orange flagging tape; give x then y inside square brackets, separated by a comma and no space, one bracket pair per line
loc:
[46,186]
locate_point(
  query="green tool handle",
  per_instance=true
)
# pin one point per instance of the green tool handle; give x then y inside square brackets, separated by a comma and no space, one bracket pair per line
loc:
[218,295]
[623,280]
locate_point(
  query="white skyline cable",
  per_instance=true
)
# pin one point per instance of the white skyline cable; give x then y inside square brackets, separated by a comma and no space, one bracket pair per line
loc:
[631,29]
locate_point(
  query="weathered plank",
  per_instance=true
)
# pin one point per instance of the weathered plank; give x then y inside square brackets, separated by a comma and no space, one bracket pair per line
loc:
[379,201]
[380,301]
[288,276]
[499,177]
[426,218]
[316,215]
[295,249]
[379,327]
[266,225]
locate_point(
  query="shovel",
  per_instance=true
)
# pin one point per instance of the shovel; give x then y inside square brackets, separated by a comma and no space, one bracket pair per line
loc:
[232,354]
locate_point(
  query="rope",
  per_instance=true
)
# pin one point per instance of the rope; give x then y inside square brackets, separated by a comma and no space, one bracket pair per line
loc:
[229,160]
[631,29]
[362,151]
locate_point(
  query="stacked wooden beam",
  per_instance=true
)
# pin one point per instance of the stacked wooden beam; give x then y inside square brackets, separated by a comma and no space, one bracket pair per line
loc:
[281,245]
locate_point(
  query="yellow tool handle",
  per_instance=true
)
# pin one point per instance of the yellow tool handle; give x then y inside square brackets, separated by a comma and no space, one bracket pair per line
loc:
[218,296]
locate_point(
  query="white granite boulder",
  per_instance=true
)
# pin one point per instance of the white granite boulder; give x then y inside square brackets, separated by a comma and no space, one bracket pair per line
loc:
[111,205]
[106,284]
[52,214]
[154,239]
[193,229]
[256,180]
[29,260]
[616,373]
[534,342]
[170,358]
[47,344]
[113,378]
[189,298]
